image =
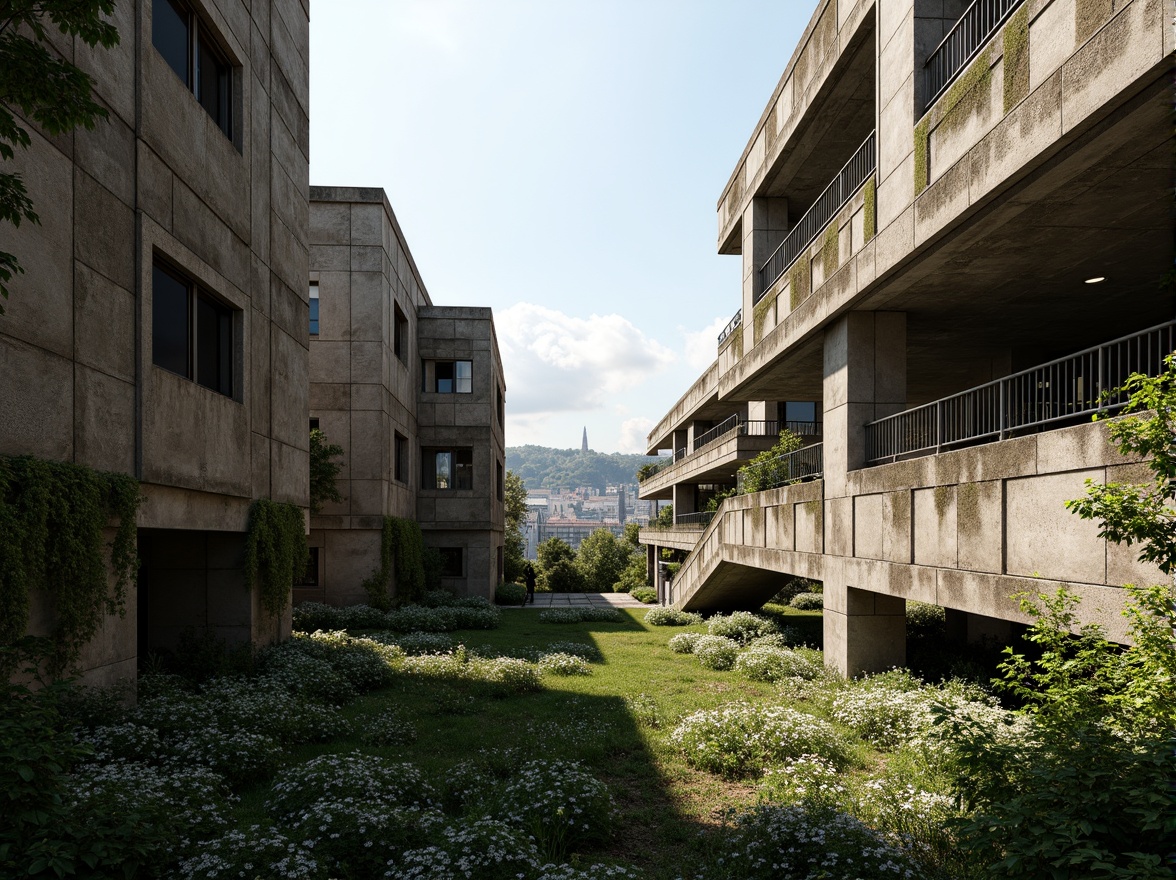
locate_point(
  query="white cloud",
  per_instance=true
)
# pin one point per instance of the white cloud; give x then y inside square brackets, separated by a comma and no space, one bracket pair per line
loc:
[555,362]
[633,434]
[702,346]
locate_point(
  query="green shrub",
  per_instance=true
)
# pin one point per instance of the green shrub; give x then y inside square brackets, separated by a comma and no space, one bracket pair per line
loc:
[770,663]
[808,602]
[793,587]
[256,852]
[510,594]
[557,803]
[563,577]
[366,778]
[741,626]
[644,594]
[716,652]
[564,664]
[672,617]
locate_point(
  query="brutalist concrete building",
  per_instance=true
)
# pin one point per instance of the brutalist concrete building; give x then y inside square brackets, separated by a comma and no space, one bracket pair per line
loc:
[954,220]
[412,392]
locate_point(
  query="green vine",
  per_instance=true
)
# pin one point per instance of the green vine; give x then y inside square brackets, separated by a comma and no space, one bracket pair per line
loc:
[275,551]
[52,518]
[402,551]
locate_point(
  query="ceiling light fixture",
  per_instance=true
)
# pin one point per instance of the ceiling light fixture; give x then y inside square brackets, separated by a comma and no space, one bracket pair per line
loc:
[1095,280]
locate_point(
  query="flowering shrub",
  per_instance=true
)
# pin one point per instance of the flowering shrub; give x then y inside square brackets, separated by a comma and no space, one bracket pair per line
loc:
[264,706]
[171,710]
[644,710]
[806,664]
[588,652]
[476,617]
[671,617]
[468,783]
[799,843]
[508,675]
[742,739]
[357,838]
[311,616]
[588,872]
[446,599]
[295,670]
[258,852]
[388,728]
[716,652]
[808,602]
[564,664]
[579,615]
[480,850]
[415,618]
[558,803]
[787,637]
[683,643]
[765,663]
[807,779]
[366,663]
[238,755]
[365,778]
[741,626]
[886,710]
[123,742]
[174,808]
[418,643]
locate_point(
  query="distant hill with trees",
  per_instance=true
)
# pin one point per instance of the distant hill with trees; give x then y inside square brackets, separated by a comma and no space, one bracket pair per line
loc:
[544,468]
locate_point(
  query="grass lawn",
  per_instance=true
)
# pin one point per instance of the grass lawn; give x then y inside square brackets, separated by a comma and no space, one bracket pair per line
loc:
[662,802]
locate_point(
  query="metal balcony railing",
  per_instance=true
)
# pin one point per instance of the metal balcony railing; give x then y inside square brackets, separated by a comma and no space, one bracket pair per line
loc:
[1064,390]
[731,325]
[849,180]
[735,426]
[726,426]
[806,463]
[963,41]
[698,520]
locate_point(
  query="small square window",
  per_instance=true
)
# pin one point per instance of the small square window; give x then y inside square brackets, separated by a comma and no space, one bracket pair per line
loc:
[449,377]
[191,331]
[447,468]
[314,308]
[452,562]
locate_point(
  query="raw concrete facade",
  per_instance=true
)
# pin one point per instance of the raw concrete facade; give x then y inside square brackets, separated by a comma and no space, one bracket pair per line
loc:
[220,207]
[387,388]
[913,241]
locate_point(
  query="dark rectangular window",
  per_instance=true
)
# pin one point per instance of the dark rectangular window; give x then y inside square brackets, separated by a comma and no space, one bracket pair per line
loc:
[310,577]
[499,405]
[498,480]
[452,562]
[191,331]
[314,424]
[399,334]
[447,468]
[178,35]
[400,458]
[314,308]
[449,377]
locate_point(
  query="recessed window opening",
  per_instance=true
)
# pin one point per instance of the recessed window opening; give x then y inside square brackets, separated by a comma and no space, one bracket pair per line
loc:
[191,330]
[447,468]
[181,38]
[399,334]
[452,562]
[449,377]
[314,308]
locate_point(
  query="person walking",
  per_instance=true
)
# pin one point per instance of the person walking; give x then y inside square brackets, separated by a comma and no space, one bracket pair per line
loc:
[529,578]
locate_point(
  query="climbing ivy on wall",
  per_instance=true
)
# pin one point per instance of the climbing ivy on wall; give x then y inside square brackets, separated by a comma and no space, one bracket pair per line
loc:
[275,551]
[52,518]
[402,552]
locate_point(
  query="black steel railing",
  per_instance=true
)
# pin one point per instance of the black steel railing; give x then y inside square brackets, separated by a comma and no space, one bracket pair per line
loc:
[726,426]
[849,180]
[1065,390]
[731,325]
[806,463]
[698,520]
[963,41]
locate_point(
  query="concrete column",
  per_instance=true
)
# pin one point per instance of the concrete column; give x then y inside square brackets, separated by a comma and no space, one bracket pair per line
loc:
[864,631]
[681,440]
[683,499]
[865,379]
[763,411]
[765,224]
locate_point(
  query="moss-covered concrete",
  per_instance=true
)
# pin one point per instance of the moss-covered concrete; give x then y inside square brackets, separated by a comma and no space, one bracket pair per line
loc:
[1016,58]
[831,250]
[922,136]
[870,211]
[800,281]
[759,316]
[970,93]
[1089,16]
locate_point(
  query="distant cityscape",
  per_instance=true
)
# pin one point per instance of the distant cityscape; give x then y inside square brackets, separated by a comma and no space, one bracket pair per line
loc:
[573,514]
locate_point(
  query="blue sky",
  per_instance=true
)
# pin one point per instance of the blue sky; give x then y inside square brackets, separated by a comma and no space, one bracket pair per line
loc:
[559,162]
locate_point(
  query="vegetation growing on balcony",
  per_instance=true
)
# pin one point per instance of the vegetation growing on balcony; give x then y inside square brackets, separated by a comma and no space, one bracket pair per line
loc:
[767,469]
[1016,58]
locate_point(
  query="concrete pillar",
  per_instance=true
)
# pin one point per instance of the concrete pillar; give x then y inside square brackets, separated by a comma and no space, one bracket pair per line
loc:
[765,225]
[681,442]
[865,379]
[683,499]
[864,631]
[763,411]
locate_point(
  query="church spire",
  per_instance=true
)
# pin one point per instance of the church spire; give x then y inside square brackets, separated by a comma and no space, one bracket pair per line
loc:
[584,442]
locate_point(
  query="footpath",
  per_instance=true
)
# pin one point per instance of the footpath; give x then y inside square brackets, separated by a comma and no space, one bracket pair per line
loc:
[581,600]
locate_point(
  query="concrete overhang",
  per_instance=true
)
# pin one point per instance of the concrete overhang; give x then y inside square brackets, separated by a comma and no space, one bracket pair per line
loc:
[676,538]
[716,462]
[1004,277]
[732,587]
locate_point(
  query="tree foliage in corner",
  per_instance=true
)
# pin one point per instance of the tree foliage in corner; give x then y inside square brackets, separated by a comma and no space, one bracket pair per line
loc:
[324,471]
[515,545]
[402,553]
[52,518]
[275,552]
[44,88]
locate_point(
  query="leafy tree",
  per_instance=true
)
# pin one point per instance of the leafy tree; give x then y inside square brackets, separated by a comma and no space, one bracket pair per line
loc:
[602,560]
[664,518]
[562,576]
[552,551]
[44,88]
[767,470]
[515,545]
[324,471]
